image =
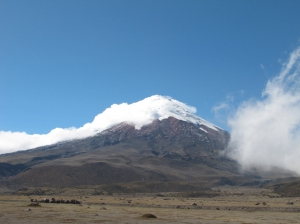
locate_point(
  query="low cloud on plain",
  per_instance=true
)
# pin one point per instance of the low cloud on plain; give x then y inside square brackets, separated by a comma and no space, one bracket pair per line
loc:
[266,132]
[138,114]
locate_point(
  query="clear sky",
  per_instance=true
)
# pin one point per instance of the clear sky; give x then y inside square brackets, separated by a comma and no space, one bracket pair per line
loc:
[62,62]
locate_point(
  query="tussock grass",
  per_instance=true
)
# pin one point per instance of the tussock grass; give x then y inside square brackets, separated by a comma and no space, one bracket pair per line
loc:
[149,216]
[118,210]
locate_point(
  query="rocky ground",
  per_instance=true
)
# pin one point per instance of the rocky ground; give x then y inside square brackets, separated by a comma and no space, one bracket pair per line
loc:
[228,205]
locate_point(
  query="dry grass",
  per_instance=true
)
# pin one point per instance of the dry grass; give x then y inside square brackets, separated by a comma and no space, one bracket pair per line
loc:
[129,208]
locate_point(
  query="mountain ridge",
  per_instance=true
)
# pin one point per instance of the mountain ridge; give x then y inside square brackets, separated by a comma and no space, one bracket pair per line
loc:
[165,150]
[168,153]
[138,114]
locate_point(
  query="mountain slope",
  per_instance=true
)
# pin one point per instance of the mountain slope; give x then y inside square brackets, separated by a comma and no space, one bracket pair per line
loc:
[137,114]
[168,150]
[158,142]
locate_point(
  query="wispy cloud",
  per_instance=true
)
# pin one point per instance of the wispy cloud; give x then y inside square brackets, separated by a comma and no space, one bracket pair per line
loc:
[262,66]
[220,106]
[138,114]
[224,105]
[223,109]
[266,132]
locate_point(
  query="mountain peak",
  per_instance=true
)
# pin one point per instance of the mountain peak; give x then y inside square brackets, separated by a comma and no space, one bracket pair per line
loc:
[151,108]
[137,114]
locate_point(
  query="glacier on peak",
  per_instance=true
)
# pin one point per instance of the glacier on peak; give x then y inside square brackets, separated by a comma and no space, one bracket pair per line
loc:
[138,114]
[145,111]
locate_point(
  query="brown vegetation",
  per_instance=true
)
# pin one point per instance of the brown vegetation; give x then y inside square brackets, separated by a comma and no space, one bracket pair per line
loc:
[149,216]
[232,205]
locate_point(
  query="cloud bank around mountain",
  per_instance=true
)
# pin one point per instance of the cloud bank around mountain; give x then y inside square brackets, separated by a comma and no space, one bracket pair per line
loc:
[266,132]
[138,114]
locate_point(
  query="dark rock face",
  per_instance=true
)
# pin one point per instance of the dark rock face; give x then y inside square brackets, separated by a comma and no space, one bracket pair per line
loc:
[173,139]
[167,136]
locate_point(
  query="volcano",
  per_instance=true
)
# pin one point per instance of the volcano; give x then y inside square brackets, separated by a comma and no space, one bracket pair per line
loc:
[171,150]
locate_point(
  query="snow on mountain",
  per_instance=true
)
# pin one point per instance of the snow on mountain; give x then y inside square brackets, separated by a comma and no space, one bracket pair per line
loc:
[145,111]
[137,114]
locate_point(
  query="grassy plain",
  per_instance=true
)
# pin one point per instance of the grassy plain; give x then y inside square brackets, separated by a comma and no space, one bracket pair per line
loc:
[232,205]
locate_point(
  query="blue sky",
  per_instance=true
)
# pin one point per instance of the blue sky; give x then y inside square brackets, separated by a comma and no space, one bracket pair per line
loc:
[64,62]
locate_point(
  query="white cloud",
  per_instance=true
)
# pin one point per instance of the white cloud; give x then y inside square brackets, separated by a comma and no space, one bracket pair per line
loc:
[266,132]
[138,114]
[226,104]
[220,106]
[222,109]
[262,66]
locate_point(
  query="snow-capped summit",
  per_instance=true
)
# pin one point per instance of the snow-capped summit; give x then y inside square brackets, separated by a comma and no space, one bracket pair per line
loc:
[145,111]
[137,114]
